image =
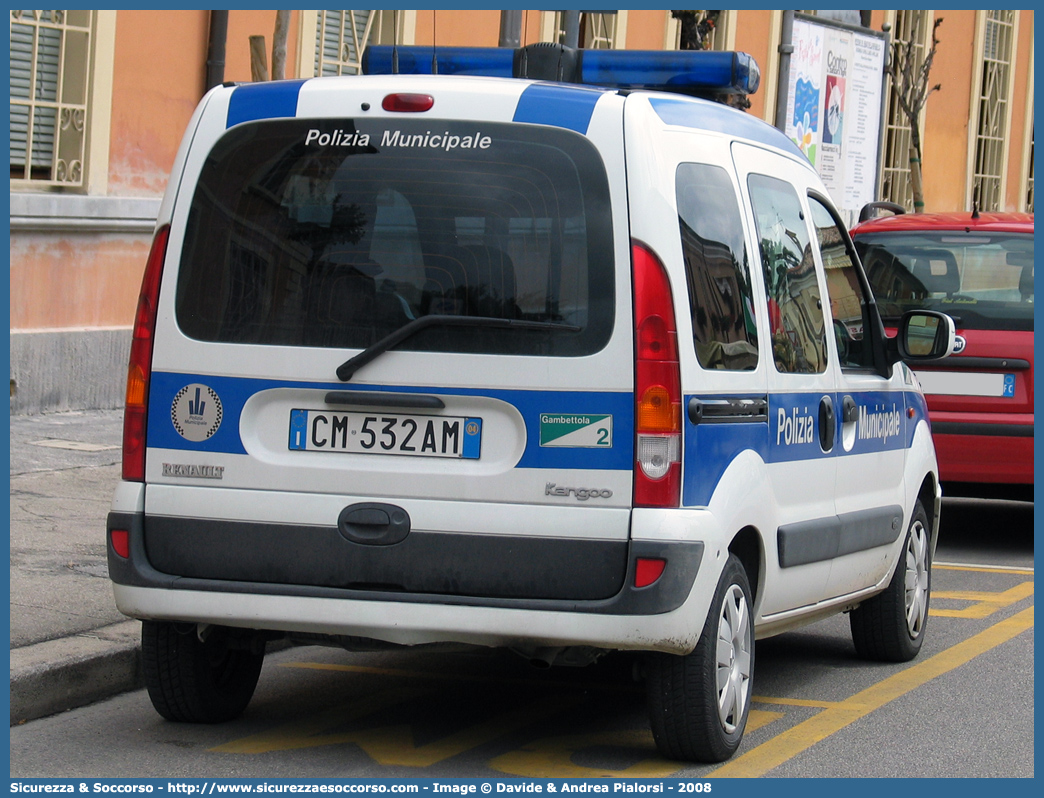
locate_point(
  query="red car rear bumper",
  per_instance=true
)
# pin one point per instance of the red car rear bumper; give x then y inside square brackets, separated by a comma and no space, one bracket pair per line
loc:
[977,450]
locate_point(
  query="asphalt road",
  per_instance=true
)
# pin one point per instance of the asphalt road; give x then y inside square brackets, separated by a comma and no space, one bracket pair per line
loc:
[963,708]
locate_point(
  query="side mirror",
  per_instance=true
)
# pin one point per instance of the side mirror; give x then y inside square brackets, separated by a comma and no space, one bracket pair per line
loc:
[925,335]
[869,210]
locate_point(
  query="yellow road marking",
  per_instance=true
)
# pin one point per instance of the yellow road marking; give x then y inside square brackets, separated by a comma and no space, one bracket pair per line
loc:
[786,745]
[985,604]
[795,702]
[392,744]
[307,732]
[552,757]
[982,569]
[757,718]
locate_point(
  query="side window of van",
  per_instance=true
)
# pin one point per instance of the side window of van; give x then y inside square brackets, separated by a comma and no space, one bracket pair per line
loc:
[795,310]
[848,300]
[717,269]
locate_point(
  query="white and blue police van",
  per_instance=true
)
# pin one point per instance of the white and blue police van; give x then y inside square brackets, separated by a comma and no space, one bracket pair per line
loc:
[529,349]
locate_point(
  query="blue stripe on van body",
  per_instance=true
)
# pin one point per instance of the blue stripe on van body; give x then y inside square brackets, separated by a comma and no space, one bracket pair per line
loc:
[793,425]
[708,448]
[234,393]
[719,118]
[570,107]
[269,100]
[791,435]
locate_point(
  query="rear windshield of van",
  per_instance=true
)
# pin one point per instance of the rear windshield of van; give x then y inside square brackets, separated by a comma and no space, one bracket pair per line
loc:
[337,233]
[985,281]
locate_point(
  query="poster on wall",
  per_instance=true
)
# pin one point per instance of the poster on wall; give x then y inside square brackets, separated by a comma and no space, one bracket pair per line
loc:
[834,106]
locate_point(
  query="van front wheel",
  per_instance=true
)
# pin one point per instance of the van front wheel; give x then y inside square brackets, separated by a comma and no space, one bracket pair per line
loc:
[890,626]
[698,702]
[195,680]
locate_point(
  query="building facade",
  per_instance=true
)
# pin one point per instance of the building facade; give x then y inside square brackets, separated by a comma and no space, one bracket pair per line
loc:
[100,99]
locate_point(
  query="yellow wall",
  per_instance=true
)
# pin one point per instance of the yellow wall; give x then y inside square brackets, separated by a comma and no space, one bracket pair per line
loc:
[75,280]
[753,29]
[459,28]
[159,75]
[945,134]
[645,29]
[155,89]
[158,81]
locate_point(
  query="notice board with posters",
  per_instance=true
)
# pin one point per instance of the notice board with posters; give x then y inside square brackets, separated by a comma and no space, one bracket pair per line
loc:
[834,102]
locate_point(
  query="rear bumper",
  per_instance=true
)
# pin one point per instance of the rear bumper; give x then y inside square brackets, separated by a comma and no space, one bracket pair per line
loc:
[982,452]
[654,617]
[405,622]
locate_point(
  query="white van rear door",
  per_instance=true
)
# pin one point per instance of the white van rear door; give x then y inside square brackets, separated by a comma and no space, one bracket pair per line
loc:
[494,247]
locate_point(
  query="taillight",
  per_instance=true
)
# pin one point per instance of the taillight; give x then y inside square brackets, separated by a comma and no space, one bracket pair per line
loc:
[647,571]
[657,472]
[120,541]
[136,410]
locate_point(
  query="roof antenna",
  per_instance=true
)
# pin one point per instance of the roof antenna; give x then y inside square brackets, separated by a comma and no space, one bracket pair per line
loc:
[975,203]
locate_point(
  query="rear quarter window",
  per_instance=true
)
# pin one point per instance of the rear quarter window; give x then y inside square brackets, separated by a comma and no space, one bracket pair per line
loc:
[336,233]
[717,269]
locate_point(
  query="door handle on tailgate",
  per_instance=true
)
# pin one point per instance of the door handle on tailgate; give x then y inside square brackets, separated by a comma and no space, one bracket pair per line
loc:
[374,524]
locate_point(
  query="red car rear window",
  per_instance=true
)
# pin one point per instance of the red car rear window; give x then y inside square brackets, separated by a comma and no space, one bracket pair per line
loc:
[984,280]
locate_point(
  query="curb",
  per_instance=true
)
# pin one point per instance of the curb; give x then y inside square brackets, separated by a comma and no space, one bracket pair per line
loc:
[56,675]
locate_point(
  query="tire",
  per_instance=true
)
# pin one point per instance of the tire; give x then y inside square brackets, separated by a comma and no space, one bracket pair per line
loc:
[698,702]
[195,681]
[890,626]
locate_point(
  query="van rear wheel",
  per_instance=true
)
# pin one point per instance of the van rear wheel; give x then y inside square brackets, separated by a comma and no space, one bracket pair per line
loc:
[199,681]
[699,702]
[890,626]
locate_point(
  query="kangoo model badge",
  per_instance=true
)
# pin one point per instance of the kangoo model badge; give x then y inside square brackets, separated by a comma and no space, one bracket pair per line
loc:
[196,412]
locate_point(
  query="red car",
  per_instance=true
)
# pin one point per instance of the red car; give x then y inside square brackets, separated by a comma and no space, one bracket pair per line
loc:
[978,268]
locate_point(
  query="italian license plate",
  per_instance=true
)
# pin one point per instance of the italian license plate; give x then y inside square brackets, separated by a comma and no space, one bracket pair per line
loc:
[964,383]
[386,433]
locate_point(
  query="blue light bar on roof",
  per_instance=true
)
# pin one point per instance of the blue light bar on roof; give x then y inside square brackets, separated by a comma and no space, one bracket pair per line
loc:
[693,71]
[493,62]
[701,70]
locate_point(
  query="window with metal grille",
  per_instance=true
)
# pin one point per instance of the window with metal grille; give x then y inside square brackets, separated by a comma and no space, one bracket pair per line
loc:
[599,30]
[993,110]
[342,36]
[50,64]
[702,30]
[910,25]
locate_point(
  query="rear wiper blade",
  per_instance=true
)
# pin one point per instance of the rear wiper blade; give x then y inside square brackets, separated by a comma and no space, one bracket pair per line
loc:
[347,369]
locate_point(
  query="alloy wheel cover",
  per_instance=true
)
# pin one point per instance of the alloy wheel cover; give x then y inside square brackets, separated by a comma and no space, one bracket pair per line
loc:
[916,579]
[733,659]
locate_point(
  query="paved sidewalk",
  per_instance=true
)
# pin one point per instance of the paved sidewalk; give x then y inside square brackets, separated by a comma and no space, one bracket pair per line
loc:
[69,644]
